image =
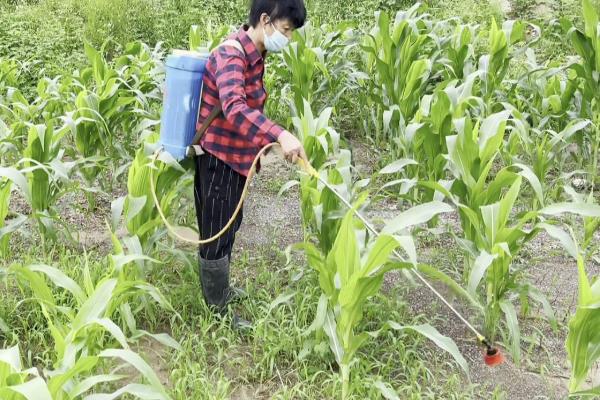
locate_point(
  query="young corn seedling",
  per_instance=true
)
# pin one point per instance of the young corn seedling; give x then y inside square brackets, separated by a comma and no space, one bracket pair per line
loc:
[583,340]
[352,272]
[47,175]
[84,328]
[493,66]
[493,236]
[587,46]
[319,205]
[459,52]
[546,151]
[316,65]
[17,383]
[10,178]
[397,56]
[111,106]
[544,94]
[141,216]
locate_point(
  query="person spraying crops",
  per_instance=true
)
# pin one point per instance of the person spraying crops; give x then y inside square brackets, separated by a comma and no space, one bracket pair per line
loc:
[233,129]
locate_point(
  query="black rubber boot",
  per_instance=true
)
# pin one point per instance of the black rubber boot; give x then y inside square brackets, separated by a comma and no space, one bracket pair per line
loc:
[214,277]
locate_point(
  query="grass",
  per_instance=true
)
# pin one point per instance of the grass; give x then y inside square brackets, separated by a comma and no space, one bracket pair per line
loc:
[274,360]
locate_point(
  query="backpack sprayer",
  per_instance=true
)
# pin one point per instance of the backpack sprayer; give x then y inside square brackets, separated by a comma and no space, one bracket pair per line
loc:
[178,136]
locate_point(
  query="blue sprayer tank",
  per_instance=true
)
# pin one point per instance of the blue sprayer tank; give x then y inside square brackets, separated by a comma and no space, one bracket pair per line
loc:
[184,70]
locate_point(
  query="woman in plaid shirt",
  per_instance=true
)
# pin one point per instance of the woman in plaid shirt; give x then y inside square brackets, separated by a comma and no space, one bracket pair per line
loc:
[234,80]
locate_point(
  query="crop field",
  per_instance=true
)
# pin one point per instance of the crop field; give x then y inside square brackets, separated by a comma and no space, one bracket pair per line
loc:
[466,132]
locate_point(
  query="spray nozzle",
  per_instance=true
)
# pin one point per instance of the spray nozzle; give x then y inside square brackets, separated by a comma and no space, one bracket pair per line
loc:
[492,355]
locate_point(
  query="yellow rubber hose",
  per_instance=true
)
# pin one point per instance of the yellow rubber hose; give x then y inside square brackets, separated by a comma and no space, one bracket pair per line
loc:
[307,168]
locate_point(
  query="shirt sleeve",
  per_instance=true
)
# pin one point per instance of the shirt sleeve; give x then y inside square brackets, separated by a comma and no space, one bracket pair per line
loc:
[252,123]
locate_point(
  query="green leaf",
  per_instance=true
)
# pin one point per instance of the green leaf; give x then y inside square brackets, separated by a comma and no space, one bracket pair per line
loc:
[83,364]
[138,363]
[443,342]
[34,389]
[535,183]
[320,315]
[12,357]
[287,186]
[591,19]
[330,328]
[386,391]
[512,323]
[584,209]
[492,133]
[60,279]
[134,206]
[116,210]
[281,299]
[563,237]
[416,215]
[397,166]
[18,179]
[163,338]
[95,305]
[482,263]
[92,381]
[379,254]
[137,390]
[345,249]
[4,327]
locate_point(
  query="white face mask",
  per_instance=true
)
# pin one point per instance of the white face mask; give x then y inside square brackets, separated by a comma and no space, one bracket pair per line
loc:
[276,42]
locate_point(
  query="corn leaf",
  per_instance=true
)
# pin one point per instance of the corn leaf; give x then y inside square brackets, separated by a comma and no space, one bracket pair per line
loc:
[443,342]
[35,389]
[416,215]
[138,363]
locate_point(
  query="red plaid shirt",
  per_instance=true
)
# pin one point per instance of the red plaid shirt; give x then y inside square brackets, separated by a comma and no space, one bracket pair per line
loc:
[235,80]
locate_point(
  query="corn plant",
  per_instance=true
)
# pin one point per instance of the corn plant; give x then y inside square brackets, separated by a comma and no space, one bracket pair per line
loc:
[47,174]
[320,207]
[494,65]
[546,151]
[141,217]
[397,56]
[10,178]
[583,341]
[17,383]
[352,272]
[9,73]
[544,94]
[118,97]
[214,37]
[485,207]
[85,328]
[316,66]
[319,139]
[460,52]
[587,45]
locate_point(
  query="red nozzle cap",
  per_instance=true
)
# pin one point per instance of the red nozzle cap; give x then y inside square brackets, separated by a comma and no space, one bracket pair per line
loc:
[493,357]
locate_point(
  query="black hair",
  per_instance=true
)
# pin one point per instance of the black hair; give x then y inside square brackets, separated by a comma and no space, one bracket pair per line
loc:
[294,10]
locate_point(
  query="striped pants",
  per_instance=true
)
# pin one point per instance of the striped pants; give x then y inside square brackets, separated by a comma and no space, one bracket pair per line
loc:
[217,191]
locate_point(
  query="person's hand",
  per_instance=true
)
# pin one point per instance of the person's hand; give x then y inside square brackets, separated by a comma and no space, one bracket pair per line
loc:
[291,147]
